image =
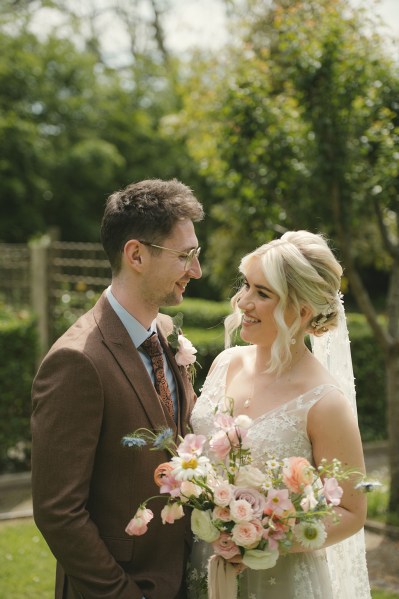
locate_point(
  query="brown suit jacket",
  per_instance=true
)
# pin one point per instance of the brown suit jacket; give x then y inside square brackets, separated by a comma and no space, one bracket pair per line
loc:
[91,389]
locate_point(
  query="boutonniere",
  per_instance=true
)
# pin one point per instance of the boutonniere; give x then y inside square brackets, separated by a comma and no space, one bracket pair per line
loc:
[184,349]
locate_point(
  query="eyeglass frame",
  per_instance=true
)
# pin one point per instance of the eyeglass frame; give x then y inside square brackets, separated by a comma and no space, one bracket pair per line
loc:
[189,256]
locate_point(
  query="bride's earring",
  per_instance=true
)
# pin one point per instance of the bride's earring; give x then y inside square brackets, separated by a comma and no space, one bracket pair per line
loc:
[293,341]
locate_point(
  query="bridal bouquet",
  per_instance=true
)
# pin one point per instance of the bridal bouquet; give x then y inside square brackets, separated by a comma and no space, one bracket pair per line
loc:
[240,508]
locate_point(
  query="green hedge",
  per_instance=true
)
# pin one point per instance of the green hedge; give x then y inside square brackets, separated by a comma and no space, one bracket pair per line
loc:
[18,346]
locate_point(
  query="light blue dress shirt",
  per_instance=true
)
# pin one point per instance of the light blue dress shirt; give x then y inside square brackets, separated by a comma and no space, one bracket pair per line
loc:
[138,334]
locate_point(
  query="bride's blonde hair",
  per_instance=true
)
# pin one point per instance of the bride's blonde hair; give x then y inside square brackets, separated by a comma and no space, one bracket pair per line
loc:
[301,270]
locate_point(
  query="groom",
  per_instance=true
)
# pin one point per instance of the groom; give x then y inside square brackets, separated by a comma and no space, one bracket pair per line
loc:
[95,385]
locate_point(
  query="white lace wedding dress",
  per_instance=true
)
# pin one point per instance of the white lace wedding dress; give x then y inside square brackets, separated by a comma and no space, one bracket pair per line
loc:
[339,572]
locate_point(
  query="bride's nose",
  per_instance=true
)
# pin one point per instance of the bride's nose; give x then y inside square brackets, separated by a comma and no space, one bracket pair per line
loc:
[245,303]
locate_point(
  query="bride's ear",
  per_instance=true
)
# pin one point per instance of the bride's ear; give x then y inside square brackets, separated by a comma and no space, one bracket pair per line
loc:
[306,314]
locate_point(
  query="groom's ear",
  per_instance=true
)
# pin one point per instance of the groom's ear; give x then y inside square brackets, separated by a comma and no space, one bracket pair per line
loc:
[132,254]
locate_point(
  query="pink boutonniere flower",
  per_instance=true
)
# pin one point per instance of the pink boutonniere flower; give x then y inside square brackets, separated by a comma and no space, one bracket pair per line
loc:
[184,349]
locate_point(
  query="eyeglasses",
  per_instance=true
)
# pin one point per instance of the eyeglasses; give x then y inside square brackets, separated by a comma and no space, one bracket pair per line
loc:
[188,256]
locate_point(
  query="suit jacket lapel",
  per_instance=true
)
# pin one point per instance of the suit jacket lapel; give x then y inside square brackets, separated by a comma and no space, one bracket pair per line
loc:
[118,341]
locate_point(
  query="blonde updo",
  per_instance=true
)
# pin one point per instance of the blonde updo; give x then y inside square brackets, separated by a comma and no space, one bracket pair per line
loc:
[301,270]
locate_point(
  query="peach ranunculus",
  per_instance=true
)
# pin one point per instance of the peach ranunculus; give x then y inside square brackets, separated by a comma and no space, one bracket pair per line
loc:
[171,512]
[138,525]
[297,473]
[161,471]
[225,546]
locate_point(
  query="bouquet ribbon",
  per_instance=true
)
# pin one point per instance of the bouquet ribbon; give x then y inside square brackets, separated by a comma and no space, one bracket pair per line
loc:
[222,579]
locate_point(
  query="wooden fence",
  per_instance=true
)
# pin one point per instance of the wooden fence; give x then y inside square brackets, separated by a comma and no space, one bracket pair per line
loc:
[45,273]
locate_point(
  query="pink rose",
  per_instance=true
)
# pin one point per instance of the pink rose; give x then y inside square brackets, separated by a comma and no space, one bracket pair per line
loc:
[255,499]
[225,546]
[172,512]
[245,534]
[221,513]
[297,473]
[138,524]
[223,494]
[186,352]
[332,491]
[241,510]
[220,444]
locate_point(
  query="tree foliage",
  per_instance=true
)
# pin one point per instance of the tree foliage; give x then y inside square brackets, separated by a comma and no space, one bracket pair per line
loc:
[73,127]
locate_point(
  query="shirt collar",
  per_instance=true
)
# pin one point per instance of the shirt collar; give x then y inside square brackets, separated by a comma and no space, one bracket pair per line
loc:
[137,332]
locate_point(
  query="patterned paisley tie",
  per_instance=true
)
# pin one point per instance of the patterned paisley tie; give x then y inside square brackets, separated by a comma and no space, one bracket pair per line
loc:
[153,349]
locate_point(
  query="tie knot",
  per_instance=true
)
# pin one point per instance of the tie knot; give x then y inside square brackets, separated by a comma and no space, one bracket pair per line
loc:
[152,346]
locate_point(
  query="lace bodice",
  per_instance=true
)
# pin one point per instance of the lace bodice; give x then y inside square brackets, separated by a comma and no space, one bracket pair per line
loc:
[279,433]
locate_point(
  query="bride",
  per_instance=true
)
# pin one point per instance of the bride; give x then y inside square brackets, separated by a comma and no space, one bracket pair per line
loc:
[302,403]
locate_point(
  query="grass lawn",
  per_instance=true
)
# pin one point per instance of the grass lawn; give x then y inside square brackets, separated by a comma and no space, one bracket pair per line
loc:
[28,567]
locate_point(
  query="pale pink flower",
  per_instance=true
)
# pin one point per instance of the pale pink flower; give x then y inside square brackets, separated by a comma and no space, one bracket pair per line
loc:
[255,499]
[223,494]
[225,546]
[241,510]
[224,421]
[193,444]
[278,502]
[171,512]
[245,534]
[221,513]
[186,352]
[297,473]
[332,491]
[309,501]
[237,435]
[220,444]
[138,524]
[189,489]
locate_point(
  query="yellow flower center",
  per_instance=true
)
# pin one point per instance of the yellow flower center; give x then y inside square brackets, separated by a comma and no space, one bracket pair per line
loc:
[193,463]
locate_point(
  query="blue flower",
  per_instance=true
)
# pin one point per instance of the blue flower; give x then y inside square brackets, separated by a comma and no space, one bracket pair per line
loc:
[132,441]
[163,439]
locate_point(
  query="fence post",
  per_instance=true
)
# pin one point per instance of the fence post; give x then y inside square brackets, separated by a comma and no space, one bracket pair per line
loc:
[39,289]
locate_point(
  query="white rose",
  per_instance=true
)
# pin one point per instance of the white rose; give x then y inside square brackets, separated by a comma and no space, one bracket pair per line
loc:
[202,527]
[186,353]
[256,559]
[249,476]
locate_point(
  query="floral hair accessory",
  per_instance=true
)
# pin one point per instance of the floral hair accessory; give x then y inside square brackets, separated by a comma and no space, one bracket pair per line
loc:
[184,349]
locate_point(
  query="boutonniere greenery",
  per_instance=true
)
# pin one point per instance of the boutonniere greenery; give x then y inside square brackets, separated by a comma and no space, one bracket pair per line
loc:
[184,349]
